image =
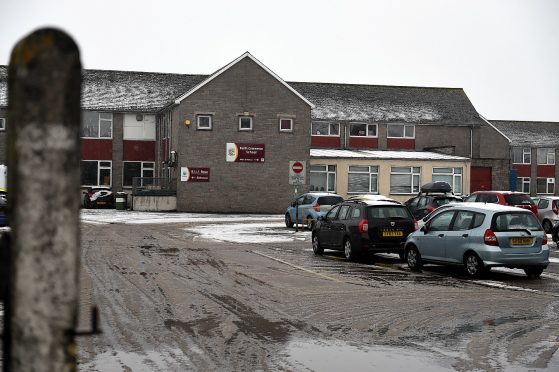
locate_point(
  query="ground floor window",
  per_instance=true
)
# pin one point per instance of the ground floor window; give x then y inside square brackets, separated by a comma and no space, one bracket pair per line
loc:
[523,184]
[404,180]
[362,179]
[545,185]
[452,176]
[323,178]
[95,172]
[133,169]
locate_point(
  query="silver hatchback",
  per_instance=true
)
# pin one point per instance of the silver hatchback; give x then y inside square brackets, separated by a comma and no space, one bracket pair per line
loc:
[478,237]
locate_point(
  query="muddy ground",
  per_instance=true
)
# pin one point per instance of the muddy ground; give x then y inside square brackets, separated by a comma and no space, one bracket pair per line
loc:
[171,300]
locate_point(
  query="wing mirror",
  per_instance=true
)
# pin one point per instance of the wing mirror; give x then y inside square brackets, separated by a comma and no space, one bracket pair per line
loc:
[424,229]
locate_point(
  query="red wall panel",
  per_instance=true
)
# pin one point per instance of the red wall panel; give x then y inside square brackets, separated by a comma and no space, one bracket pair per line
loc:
[97,149]
[400,143]
[363,143]
[523,170]
[480,178]
[322,141]
[138,151]
[546,171]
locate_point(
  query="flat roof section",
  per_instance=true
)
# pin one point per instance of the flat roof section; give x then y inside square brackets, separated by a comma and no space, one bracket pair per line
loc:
[383,155]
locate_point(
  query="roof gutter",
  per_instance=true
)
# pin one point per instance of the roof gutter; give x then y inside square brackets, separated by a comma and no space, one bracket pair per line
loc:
[494,127]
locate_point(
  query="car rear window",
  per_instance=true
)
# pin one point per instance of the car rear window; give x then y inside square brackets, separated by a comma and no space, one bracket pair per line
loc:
[442,201]
[516,199]
[330,200]
[401,212]
[513,221]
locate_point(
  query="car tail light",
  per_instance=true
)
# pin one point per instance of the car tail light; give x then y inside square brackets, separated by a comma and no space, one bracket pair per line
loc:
[544,240]
[316,207]
[415,224]
[490,238]
[554,207]
[363,226]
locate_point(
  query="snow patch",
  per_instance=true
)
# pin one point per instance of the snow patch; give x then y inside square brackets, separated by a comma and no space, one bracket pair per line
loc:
[250,233]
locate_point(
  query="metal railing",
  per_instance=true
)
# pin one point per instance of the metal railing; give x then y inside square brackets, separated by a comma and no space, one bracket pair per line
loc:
[153,186]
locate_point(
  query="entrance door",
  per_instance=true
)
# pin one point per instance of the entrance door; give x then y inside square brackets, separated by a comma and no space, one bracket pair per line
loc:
[480,179]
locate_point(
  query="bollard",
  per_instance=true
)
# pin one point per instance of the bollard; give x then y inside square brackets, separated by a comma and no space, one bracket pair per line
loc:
[44,90]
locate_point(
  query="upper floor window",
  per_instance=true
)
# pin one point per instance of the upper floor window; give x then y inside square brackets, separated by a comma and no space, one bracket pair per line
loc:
[97,124]
[2,124]
[286,125]
[245,122]
[546,156]
[362,130]
[139,127]
[404,180]
[521,155]
[452,176]
[362,179]
[400,131]
[204,122]
[324,128]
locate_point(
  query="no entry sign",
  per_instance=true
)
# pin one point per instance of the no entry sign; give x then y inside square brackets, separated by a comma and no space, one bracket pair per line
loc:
[297,173]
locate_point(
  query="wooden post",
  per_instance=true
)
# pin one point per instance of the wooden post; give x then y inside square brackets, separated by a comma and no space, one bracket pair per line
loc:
[44,90]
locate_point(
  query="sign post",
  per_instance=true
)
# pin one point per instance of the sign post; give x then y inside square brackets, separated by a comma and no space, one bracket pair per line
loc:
[297,177]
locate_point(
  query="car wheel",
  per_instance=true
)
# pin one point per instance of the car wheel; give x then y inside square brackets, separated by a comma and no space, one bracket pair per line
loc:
[413,258]
[349,251]
[533,272]
[547,226]
[316,247]
[473,265]
[288,221]
[309,223]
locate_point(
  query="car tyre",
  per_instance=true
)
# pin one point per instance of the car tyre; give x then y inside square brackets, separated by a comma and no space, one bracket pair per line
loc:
[349,251]
[316,247]
[473,265]
[413,259]
[533,272]
[288,222]
[547,226]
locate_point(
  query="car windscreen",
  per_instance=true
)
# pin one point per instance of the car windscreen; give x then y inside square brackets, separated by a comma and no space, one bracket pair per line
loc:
[329,200]
[516,199]
[515,221]
[396,212]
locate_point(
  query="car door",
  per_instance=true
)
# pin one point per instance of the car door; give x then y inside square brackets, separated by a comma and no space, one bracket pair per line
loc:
[325,234]
[339,226]
[433,241]
[460,237]
[296,205]
[306,204]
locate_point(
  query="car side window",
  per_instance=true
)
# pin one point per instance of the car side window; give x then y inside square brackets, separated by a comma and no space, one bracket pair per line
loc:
[299,200]
[478,220]
[331,215]
[543,204]
[412,202]
[421,203]
[308,200]
[471,198]
[463,221]
[441,222]
[344,209]
[355,212]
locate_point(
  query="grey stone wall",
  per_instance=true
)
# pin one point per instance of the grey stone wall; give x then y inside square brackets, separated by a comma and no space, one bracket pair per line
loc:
[235,186]
[118,130]
[427,136]
[3,138]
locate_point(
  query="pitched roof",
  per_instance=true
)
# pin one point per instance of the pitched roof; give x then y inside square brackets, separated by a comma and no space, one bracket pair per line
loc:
[530,133]
[383,155]
[380,103]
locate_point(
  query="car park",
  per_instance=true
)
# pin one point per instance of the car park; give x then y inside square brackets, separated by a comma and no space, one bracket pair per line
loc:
[478,237]
[307,208]
[432,195]
[98,197]
[548,211]
[357,227]
[512,198]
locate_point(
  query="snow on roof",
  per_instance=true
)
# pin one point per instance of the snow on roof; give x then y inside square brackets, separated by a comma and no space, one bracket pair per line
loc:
[529,133]
[382,155]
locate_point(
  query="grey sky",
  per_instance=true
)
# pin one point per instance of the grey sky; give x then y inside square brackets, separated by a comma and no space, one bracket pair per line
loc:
[504,53]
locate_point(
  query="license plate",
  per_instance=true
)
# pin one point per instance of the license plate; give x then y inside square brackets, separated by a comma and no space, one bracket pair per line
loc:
[99,202]
[521,241]
[393,233]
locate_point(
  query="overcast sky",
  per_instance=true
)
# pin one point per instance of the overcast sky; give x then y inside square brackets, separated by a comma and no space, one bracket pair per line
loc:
[504,53]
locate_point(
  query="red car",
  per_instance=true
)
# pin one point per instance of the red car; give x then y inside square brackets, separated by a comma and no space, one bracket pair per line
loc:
[512,198]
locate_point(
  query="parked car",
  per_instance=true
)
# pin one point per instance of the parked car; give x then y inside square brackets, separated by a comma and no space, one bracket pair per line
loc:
[512,198]
[98,197]
[432,195]
[360,226]
[308,207]
[479,237]
[3,209]
[548,211]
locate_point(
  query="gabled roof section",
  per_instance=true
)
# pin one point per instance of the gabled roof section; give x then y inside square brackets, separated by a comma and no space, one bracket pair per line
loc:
[227,67]
[530,133]
[380,103]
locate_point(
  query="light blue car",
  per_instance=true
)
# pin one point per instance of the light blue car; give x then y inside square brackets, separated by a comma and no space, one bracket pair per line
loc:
[479,236]
[308,207]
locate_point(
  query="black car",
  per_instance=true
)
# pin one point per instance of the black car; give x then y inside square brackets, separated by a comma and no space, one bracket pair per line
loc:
[432,196]
[98,197]
[361,226]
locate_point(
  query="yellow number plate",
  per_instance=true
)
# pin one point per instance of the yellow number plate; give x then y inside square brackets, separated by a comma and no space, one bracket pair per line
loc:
[392,233]
[521,241]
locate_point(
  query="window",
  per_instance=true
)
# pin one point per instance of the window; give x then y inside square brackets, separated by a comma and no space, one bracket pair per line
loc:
[2,124]
[97,124]
[362,179]
[521,155]
[404,180]
[463,220]
[452,176]
[133,169]
[286,125]
[344,212]
[523,184]
[546,156]
[323,178]
[95,172]
[545,185]
[204,122]
[139,127]
[245,123]
[323,128]
[441,222]
[401,131]
[362,130]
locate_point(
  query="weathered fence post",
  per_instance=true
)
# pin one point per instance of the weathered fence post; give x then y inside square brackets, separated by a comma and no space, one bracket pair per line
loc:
[44,89]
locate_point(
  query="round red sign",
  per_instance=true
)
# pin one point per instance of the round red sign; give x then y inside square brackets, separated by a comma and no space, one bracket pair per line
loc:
[297,167]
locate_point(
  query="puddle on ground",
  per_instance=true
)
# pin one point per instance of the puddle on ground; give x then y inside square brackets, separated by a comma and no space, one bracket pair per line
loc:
[322,356]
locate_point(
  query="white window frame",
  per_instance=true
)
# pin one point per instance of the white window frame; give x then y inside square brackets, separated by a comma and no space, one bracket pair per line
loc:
[550,183]
[549,156]
[290,125]
[526,153]
[210,118]
[99,120]
[404,126]
[2,124]
[456,175]
[99,167]
[245,129]
[145,165]
[329,129]
[413,175]
[523,182]
[328,169]
[367,134]
[371,170]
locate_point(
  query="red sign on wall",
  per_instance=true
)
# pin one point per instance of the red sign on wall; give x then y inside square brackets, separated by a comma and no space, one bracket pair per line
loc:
[245,152]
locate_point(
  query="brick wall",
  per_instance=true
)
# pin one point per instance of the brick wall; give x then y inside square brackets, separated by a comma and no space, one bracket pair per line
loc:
[3,138]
